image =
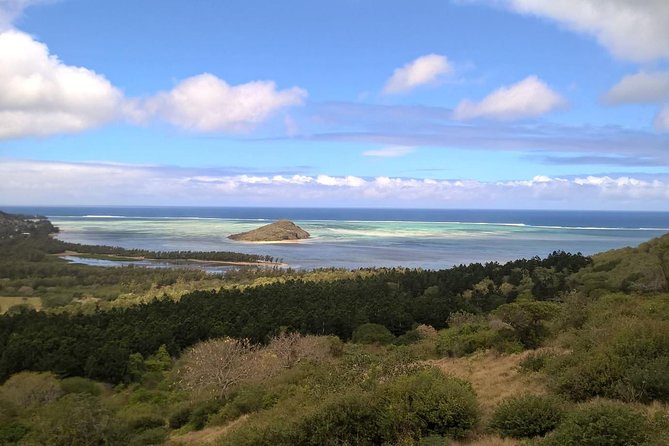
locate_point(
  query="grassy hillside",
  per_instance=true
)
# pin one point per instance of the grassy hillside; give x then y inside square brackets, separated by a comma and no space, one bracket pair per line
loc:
[643,269]
[557,351]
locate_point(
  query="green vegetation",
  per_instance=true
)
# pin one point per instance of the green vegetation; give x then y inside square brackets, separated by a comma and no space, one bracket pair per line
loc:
[601,423]
[528,416]
[271,357]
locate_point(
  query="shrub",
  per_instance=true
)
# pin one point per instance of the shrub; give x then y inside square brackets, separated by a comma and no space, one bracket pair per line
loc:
[179,417]
[346,419]
[408,338]
[156,435]
[146,422]
[30,388]
[200,414]
[528,319]
[631,365]
[11,434]
[372,334]
[601,423]
[527,416]
[246,400]
[467,338]
[427,403]
[75,419]
[536,361]
[78,384]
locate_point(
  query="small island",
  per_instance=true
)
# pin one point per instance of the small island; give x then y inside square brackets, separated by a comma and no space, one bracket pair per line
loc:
[282,230]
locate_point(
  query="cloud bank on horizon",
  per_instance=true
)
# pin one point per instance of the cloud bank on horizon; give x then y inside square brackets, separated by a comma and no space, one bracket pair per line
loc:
[89,183]
[527,124]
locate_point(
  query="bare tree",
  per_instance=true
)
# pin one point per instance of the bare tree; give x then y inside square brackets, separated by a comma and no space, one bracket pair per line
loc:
[215,366]
[292,348]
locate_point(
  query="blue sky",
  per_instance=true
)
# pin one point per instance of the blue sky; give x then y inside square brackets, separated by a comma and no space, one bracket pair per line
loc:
[464,103]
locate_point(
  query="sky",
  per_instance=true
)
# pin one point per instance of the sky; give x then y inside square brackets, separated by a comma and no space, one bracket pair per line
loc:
[522,104]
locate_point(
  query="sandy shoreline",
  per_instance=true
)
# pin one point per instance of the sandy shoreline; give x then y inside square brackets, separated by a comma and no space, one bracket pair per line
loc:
[113,257]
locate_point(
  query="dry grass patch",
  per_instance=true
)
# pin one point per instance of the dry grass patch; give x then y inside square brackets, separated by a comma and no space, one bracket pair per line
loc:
[494,377]
[207,435]
[7,302]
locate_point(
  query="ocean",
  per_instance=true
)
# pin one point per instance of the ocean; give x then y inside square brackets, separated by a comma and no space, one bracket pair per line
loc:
[354,238]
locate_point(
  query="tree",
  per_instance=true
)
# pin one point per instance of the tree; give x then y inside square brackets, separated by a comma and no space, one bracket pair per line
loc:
[30,388]
[215,367]
[293,348]
[76,419]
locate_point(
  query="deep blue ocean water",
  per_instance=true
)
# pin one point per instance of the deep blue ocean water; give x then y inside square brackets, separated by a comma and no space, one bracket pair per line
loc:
[353,238]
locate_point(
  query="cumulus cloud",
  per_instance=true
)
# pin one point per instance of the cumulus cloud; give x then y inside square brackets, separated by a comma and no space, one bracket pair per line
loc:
[635,30]
[39,182]
[389,152]
[41,95]
[205,103]
[424,70]
[528,98]
[662,119]
[642,87]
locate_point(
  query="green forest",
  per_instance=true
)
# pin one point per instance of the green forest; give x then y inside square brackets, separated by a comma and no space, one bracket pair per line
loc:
[562,350]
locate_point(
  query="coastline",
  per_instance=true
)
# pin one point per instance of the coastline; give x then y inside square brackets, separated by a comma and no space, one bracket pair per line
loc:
[113,257]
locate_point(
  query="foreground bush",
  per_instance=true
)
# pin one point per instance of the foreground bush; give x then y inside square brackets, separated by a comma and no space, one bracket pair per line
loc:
[527,416]
[470,337]
[601,423]
[76,419]
[631,365]
[428,403]
[398,412]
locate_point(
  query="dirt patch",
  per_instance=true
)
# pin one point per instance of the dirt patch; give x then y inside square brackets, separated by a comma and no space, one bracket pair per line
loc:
[493,376]
[207,435]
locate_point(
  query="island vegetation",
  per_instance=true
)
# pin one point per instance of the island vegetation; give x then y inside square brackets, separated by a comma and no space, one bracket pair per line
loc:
[564,350]
[282,230]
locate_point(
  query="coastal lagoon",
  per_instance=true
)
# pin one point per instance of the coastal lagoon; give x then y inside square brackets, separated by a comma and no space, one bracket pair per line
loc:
[354,238]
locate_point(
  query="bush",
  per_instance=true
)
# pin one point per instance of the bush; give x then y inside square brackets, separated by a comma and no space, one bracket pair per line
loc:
[346,419]
[77,384]
[75,419]
[408,338]
[179,418]
[527,416]
[30,388]
[601,423]
[246,400]
[536,361]
[528,319]
[156,435]
[146,422]
[630,365]
[11,434]
[201,413]
[467,338]
[427,403]
[402,411]
[372,334]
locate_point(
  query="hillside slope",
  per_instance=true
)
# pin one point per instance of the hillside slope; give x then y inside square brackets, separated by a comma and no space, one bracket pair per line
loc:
[644,268]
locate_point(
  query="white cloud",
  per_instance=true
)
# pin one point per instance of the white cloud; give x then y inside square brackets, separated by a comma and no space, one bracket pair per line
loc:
[662,119]
[41,95]
[41,182]
[636,30]
[424,70]
[205,103]
[528,98]
[642,87]
[10,10]
[389,152]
